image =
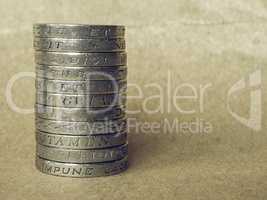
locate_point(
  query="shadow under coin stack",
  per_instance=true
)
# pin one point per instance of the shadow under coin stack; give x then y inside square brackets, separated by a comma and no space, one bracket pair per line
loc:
[81,130]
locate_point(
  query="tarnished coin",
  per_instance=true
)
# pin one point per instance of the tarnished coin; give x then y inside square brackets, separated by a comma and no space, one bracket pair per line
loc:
[81,142]
[82,156]
[81,101]
[80,87]
[81,170]
[81,128]
[79,114]
[79,45]
[73,59]
[79,31]
[81,73]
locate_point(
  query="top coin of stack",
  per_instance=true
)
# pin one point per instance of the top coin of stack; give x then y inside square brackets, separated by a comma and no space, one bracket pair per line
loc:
[81,84]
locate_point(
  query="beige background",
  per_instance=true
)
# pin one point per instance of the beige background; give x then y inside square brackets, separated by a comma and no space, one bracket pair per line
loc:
[199,42]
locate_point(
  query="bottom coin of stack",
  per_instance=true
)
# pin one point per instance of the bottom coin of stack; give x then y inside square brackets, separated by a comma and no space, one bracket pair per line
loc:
[81,170]
[81,155]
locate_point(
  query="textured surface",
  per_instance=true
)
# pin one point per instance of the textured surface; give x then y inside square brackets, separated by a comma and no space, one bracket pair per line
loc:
[195,42]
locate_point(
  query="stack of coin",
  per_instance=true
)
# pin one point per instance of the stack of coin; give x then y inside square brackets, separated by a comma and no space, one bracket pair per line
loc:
[81,130]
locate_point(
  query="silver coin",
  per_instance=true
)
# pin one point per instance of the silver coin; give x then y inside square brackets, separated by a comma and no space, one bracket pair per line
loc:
[81,142]
[81,73]
[79,114]
[79,31]
[79,45]
[82,156]
[80,87]
[81,170]
[81,128]
[81,101]
[80,59]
